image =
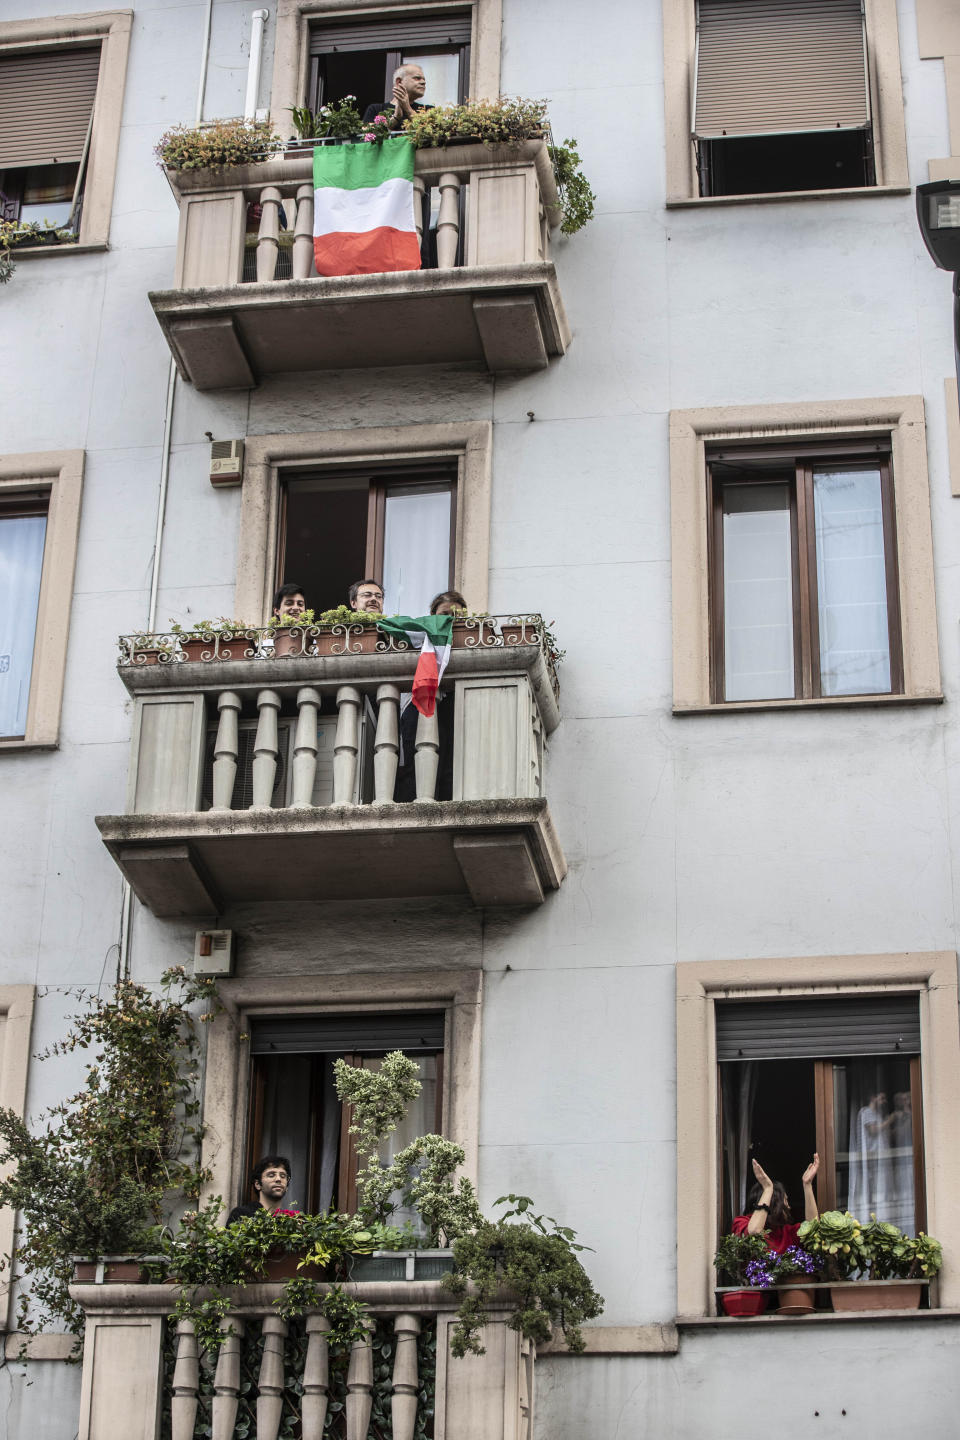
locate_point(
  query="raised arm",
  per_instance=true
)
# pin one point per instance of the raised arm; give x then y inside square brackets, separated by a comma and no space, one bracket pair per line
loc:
[758,1219]
[810,1211]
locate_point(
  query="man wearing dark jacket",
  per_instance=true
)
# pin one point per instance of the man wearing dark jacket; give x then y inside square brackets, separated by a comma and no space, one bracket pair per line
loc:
[270,1179]
[409,84]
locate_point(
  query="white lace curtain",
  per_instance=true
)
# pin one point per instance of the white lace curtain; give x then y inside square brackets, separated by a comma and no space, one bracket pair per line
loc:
[21,563]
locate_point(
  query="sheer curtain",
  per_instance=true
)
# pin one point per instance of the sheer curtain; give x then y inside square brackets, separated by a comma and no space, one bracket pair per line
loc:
[416,547]
[873,1111]
[738,1090]
[21,564]
[852,582]
[419,1120]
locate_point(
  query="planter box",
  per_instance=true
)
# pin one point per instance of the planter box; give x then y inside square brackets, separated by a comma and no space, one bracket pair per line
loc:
[877,1294]
[148,656]
[290,641]
[400,1265]
[237,645]
[348,639]
[111,1270]
[744,1302]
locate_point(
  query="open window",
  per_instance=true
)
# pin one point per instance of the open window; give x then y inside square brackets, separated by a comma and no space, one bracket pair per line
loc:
[837,1075]
[359,57]
[294,1109]
[397,524]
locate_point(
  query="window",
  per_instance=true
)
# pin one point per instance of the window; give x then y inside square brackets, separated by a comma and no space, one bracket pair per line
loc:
[39,521]
[359,57]
[396,524]
[294,1109]
[406,504]
[804,592]
[782,99]
[283,1025]
[802,555]
[16,1019]
[61,95]
[867,1044]
[773,97]
[847,1072]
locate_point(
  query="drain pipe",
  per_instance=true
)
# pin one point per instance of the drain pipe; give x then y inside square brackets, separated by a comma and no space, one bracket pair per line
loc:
[260,18]
[126,904]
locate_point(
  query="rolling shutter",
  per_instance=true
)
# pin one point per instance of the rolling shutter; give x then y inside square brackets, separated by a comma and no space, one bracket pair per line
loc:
[779,66]
[46,100]
[409,1031]
[816,1029]
[391,34]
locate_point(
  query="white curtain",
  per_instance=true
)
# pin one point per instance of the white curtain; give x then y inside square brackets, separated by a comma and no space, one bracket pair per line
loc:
[757,593]
[873,1110]
[21,564]
[416,548]
[739,1088]
[851,582]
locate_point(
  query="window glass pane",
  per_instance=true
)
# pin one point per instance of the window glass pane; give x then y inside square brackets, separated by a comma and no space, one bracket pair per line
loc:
[416,548]
[442,73]
[290,1126]
[873,1123]
[21,563]
[326,537]
[851,583]
[757,592]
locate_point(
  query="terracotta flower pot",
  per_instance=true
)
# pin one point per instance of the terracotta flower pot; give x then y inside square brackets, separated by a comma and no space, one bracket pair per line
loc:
[517,635]
[287,641]
[239,646]
[344,640]
[115,1272]
[744,1302]
[877,1295]
[795,1300]
[285,1265]
[148,656]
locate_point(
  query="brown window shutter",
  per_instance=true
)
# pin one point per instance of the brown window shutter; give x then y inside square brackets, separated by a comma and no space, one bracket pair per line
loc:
[402,33]
[779,66]
[46,100]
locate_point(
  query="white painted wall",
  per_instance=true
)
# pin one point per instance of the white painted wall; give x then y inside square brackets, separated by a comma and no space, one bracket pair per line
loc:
[676,830]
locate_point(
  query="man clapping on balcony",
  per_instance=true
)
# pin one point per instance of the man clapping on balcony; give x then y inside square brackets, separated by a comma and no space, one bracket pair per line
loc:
[409,85]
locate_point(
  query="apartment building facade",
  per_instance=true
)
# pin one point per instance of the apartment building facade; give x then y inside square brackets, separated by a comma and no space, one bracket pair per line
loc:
[694,887]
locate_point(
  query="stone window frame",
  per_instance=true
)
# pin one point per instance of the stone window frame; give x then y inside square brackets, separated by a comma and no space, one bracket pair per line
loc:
[469,444]
[16,1021]
[291,56]
[112,28]
[226,1091]
[60,474]
[932,975]
[899,418]
[886,91]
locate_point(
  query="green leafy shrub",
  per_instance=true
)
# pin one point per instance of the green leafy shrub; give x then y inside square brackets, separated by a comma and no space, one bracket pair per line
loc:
[223,142]
[492,122]
[339,120]
[735,1253]
[577,200]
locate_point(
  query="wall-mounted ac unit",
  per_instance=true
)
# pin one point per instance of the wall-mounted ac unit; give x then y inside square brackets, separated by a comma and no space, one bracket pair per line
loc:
[226,462]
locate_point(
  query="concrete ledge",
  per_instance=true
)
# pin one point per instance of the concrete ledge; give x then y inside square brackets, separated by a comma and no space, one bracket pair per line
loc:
[826,1317]
[621,1340]
[38,1347]
[193,863]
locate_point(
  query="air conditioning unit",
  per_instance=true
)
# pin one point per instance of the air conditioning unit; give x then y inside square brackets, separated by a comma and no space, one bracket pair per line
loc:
[213,953]
[226,462]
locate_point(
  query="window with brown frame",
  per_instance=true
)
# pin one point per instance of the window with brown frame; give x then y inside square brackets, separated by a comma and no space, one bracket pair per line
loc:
[358,57]
[44,149]
[804,600]
[294,1110]
[396,524]
[837,1075]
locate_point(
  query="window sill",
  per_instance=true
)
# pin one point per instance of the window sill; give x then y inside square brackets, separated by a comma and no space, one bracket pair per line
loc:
[34,252]
[25,744]
[851,193]
[841,702]
[825,1317]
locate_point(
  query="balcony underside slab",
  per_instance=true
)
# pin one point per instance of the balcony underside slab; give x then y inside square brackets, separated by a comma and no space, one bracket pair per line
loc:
[499,852]
[502,318]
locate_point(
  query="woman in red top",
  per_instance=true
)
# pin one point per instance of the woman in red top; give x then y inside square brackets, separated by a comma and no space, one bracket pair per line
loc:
[769,1212]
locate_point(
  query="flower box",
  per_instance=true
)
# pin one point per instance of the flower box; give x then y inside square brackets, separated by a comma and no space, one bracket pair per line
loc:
[110,1270]
[232,645]
[876,1294]
[400,1265]
[348,639]
[740,1303]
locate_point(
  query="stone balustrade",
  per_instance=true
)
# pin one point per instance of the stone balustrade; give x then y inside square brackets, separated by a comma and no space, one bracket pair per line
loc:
[244,760]
[492,297]
[131,1391]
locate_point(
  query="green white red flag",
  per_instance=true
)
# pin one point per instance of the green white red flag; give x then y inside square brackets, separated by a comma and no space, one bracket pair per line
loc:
[430,634]
[363,213]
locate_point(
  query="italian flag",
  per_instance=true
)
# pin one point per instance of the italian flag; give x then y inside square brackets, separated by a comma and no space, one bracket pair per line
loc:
[363,215]
[430,634]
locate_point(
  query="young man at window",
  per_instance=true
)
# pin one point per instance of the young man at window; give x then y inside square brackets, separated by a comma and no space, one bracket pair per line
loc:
[366,595]
[289,600]
[271,1177]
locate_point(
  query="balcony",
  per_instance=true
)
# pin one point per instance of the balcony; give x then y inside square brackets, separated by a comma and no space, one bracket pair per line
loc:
[493,301]
[255,776]
[143,1378]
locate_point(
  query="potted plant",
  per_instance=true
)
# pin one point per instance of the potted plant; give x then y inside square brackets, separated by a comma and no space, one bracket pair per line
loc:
[870,1267]
[343,631]
[215,144]
[220,639]
[735,1255]
[149,650]
[790,1270]
[293,634]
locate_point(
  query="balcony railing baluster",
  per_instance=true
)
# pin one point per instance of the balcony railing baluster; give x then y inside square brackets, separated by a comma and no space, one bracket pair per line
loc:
[316,1379]
[268,245]
[448,221]
[406,1383]
[305,746]
[270,1382]
[427,756]
[303,238]
[346,746]
[186,1383]
[360,1387]
[386,747]
[266,749]
[226,750]
[226,1380]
